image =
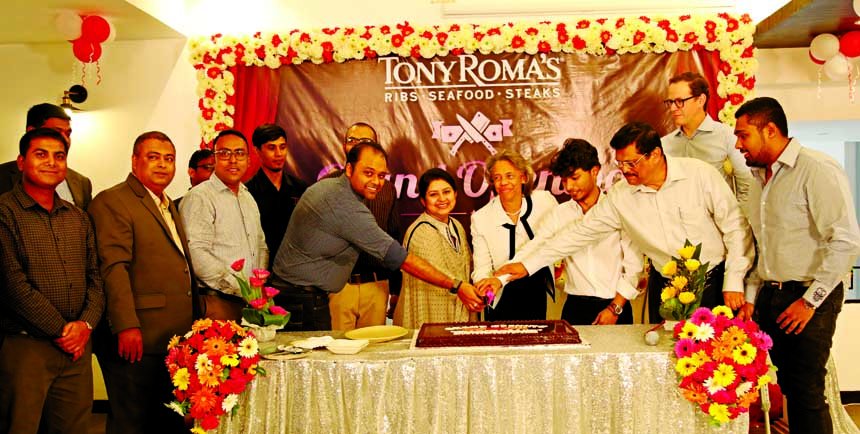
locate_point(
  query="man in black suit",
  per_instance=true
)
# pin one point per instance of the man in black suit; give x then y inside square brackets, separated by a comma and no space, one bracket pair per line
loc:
[76,188]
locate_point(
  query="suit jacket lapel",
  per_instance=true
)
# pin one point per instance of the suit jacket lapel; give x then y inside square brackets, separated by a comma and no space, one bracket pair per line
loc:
[150,206]
[75,187]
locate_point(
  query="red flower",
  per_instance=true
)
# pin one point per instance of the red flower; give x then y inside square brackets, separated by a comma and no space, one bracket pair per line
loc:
[710,26]
[441,37]
[397,40]
[330,31]
[258,34]
[672,36]
[663,24]
[583,24]
[306,38]
[748,52]
[270,292]
[405,28]
[258,303]
[683,18]
[238,265]
[725,68]
[208,113]
[563,37]
[736,98]
[638,37]
[561,27]
[619,23]
[277,310]
[517,42]
[457,51]
[605,36]
[478,36]
[366,34]
[427,34]
[291,54]
[454,28]
[209,422]
[544,47]
[276,41]
[494,31]
[578,43]
[328,49]
[368,53]
[600,21]
[645,19]
[213,72]
[690,38]
[261,52]
[416,51]
[207,58]
[231,100]
[746,19]
[531,31]
[711,36]
[385,30]
[732,25]
[348,31]
[256,281]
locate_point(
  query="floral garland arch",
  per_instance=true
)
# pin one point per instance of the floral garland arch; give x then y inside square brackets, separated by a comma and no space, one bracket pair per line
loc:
[732,36]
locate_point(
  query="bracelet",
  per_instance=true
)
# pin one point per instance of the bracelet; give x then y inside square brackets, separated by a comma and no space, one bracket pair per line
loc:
[455,287]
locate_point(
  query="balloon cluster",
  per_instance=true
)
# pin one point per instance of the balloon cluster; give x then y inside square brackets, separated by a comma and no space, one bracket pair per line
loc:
[86,34]
[836,54]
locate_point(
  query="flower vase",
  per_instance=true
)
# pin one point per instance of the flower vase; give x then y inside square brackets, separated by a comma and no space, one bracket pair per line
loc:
[263,333]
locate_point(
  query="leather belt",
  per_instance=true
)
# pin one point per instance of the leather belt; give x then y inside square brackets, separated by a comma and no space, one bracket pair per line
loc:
[791,284]
[366,277]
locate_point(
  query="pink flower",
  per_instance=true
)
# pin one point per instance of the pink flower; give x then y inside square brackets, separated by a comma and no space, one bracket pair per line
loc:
[270,292]
[238,265]
[261,273]
[725,397]
[761,341]
[277,310]
[702,315]
[256,282]
[685,348]
[258,303]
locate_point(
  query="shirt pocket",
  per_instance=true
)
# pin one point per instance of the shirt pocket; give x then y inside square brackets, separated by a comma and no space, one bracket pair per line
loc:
[150,301]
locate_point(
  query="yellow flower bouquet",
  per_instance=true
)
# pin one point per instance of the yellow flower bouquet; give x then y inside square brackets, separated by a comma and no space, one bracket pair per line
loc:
[686,275]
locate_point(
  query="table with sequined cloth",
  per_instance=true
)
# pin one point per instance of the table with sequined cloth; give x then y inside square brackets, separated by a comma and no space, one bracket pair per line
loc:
[617,385]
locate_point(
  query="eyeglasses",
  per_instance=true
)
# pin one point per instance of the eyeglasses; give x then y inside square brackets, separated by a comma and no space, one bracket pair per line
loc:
[678,102]
[225,154]
[356,140]
[628,165]
[209,167]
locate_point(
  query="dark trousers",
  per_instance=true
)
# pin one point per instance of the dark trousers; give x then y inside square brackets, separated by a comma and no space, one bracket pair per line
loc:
[137,393]
[583,310]
[41,389]
[523,299]
[801,359]
[712,296]
[308,306]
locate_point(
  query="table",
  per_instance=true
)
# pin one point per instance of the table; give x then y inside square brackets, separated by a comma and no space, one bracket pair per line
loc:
[618,385]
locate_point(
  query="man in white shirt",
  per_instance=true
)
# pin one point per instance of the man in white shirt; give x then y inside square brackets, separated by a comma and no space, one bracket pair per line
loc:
[664,202]
[802,213]
[601,278]
[223,225]
[701,137]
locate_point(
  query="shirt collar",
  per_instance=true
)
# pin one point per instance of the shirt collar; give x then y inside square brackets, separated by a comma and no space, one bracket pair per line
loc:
[27,201]
[674,172]
[708,125]
[790,153]
[219,185]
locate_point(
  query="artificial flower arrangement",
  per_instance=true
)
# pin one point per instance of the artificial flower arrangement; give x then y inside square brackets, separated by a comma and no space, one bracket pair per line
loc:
[210,366]
[261,310]
[722,362]
[687,278]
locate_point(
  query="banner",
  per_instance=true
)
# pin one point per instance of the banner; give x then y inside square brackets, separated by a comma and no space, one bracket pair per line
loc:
[454,112]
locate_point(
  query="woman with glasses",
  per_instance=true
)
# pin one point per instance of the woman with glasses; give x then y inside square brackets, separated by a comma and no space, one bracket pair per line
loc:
[441,241]
[502,226]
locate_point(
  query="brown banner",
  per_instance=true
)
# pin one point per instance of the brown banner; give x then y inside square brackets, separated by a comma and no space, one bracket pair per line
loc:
[453,112]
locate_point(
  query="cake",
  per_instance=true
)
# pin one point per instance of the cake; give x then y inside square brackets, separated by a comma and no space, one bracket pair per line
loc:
[503,333]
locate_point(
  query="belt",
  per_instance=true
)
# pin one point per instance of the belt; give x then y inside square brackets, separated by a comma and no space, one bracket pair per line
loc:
[209,291]
[366,277]
[791,284]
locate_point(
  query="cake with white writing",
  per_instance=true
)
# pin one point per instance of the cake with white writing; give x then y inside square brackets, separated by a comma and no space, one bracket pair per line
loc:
[504,333]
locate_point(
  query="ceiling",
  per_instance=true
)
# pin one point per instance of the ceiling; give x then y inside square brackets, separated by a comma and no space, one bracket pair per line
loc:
[32,21]
[796,23]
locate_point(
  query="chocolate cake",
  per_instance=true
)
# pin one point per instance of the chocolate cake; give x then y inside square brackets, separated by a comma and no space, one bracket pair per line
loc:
[505,333]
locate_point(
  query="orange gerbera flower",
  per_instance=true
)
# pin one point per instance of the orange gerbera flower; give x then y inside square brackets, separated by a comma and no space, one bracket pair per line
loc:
[734,336]
[201,324]
[204,400]
[695,393]
[722,350]
[210,377]
[215,348]
[748,399]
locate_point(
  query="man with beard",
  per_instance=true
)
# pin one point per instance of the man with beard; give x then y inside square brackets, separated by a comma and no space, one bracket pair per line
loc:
[275,191]
[803,217]
[223,225]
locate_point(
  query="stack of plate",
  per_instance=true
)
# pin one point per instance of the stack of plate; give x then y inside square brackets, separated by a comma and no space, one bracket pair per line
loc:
[347,346]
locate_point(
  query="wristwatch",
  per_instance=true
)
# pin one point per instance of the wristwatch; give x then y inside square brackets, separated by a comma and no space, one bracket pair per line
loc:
[807,304]
[614,308]
[89,327]
[455,287]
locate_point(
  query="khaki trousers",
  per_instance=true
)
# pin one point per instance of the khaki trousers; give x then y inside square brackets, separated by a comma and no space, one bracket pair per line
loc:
[359,305]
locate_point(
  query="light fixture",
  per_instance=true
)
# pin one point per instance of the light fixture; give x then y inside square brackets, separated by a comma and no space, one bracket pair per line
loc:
[76,94]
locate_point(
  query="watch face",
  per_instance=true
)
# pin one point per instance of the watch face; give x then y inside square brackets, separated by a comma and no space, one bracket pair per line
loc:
[616,308]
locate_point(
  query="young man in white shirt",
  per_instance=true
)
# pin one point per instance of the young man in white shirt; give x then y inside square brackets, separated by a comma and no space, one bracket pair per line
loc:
[601,278]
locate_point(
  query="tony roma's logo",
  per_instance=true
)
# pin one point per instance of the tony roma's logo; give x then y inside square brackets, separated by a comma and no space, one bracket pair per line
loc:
[478,130]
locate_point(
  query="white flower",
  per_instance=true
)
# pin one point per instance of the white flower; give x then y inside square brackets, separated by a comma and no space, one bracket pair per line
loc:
[203,363]
[248,347]
[229,402]
[712,388]
[704,332]
[743,388]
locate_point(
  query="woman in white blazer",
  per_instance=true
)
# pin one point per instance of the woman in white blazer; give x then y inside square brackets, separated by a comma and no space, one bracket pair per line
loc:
[504,224]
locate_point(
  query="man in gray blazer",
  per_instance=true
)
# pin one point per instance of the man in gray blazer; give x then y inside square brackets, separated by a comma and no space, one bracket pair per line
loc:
[149,287]
[76,188]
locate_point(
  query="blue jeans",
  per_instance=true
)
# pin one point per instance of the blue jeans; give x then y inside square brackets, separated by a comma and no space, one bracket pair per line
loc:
[801,359]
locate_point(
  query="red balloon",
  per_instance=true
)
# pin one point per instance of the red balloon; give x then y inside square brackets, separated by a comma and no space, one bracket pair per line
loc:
[849,44]
[814,59]
[95,29]
[86,51]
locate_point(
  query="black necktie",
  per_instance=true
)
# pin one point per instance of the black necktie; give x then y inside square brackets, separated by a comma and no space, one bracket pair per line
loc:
[512,246]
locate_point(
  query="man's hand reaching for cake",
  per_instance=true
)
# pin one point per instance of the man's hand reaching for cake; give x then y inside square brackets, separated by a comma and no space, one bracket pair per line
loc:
[472,298]
[516,270]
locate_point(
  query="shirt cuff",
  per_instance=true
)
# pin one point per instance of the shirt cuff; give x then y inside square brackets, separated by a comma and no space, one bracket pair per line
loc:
[627,290]
[751,293]
[733,282]
[817,293]
[395,256]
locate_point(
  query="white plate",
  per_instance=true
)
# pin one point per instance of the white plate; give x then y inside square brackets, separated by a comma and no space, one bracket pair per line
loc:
[345,346]
[312,343]
[380,333]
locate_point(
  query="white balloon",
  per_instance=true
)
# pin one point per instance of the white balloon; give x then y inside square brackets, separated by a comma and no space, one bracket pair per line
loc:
[824,46]
[857,7]
[837,67]
[69,25]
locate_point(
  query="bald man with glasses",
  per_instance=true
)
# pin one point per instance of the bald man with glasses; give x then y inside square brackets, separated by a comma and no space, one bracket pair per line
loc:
[664,202]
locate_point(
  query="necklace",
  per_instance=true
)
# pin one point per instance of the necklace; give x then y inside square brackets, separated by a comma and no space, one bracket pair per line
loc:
[514,213]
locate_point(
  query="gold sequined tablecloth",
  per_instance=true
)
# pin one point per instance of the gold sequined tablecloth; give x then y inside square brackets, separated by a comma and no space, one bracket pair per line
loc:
[618,385]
